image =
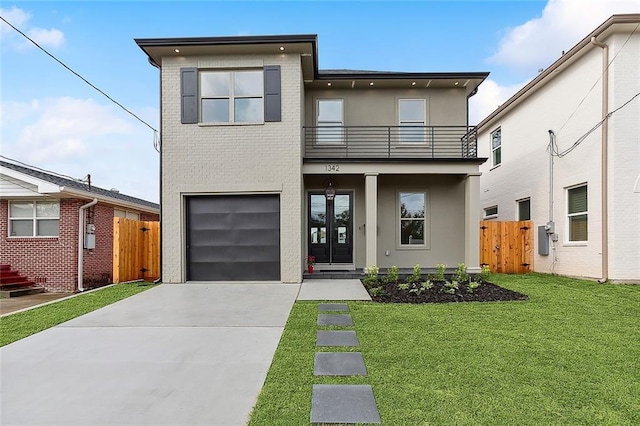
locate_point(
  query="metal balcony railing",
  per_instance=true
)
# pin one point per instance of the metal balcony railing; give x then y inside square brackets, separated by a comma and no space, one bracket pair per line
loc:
[393,142]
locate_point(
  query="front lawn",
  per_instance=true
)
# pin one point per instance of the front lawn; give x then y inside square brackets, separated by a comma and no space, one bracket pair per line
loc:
[22,324]
[568,355]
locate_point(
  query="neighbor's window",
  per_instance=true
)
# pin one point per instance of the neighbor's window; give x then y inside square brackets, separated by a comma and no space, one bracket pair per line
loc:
[490,212]
[126,214]
[232,96]
[524,209]
[34,218]
[577,213]
[496,147]
[412,218]
[330,121]
[412,115]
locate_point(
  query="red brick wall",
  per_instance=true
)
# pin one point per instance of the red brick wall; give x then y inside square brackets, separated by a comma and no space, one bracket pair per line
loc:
[51,261]
[149,216]
[97,264]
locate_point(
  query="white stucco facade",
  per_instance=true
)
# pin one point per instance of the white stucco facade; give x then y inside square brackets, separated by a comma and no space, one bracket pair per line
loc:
[568,101]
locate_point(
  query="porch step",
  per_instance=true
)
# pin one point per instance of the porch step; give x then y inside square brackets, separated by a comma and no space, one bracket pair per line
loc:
[21,291]
[334,275]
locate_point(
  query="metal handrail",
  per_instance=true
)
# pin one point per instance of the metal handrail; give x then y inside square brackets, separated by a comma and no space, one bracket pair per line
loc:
[390,142]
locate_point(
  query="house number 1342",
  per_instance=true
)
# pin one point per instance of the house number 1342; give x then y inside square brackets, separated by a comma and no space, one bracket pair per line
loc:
[333,167]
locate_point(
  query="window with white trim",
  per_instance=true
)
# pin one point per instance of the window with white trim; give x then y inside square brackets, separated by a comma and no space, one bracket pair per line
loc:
[330,121]
[34,218]
[524,209]
[413,219]
[496,147]
[412,116]
[577,213]
[232,96]
[491,212]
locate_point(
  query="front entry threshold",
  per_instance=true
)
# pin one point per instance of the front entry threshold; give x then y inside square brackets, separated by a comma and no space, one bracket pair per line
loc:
[334,267]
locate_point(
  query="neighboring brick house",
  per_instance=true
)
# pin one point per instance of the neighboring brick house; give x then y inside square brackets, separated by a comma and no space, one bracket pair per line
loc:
[39,224]
[585,200]
[266,159]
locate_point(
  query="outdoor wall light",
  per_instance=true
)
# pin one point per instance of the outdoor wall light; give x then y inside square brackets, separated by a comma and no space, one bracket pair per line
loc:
[330,191]
[281,48]
[176,50]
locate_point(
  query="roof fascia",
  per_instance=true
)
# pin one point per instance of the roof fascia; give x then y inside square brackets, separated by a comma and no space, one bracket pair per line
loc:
[115,201]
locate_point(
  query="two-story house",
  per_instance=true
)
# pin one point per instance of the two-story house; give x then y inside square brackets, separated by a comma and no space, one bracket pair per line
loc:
[564,153]
[267,160]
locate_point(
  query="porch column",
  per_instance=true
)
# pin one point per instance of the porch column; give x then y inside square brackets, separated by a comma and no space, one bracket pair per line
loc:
[371,218]
[472,222]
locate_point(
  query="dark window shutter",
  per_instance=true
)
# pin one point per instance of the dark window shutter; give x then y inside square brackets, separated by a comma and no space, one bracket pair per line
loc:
[272,86]
[189,94]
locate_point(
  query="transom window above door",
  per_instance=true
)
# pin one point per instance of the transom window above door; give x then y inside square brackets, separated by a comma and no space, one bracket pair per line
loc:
[232,96]
[330,121]
[412,116]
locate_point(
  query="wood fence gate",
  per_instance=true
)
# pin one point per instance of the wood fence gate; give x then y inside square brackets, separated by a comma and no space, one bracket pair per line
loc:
[507,247]
[136,250]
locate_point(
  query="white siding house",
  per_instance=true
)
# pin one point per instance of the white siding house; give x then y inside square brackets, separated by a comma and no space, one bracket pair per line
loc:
[591,194]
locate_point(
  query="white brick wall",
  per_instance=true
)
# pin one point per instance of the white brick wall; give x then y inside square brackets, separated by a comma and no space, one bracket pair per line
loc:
[231,159]
[524,171]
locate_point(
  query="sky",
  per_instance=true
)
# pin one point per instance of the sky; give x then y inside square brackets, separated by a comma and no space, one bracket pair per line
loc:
[51,119]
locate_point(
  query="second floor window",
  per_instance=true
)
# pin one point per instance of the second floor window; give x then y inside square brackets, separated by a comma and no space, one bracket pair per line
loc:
[412,115]
[232,96]
[330,121]
[496,147]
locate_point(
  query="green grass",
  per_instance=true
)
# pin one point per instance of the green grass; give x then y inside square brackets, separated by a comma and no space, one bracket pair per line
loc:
[22,324]
[570,355]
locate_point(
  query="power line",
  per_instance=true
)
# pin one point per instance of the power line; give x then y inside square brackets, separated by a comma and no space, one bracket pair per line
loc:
[600,77]
[79,76]
[554,146]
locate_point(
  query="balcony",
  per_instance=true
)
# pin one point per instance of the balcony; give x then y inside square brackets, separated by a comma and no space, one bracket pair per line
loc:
[390,142]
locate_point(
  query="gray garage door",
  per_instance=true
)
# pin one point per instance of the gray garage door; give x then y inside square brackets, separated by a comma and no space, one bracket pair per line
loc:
[233,238]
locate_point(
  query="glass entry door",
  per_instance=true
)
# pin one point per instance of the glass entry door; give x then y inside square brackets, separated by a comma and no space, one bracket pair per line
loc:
[331,228]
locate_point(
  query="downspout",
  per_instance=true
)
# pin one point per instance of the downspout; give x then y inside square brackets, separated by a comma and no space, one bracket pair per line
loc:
[81,240]
[605,158]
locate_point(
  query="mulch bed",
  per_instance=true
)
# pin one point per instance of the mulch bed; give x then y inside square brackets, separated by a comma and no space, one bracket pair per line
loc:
[486,292]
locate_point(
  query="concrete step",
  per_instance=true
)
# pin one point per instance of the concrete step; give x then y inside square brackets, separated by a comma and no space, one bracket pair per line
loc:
[20,284]
[24,291]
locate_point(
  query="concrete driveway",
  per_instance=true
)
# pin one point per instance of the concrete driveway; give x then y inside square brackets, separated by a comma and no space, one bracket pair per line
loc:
[192,354]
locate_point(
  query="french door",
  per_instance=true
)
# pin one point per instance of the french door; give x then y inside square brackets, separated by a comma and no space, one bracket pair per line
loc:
[331,228]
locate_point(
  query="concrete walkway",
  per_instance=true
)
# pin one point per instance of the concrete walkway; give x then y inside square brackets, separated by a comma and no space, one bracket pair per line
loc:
[348,289]
[194,354]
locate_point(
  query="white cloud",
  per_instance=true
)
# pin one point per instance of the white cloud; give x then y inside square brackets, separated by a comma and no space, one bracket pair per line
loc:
[20,19]
[489,97]
[541,40]
[77,137]
[50,37]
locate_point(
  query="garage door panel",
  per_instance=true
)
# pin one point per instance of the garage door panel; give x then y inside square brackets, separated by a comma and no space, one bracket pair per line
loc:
[233,238]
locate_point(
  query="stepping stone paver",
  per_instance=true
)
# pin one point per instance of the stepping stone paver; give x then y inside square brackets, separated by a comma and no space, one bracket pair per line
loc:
[337,338]
[339,364]
[333,307]
[343,404]
[335,319]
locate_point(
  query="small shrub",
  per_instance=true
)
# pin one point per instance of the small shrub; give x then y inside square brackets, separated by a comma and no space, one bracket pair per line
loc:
[473,285]
[440,268]
[392,275]
[461,274]
[416,275]
[371,276]
[451,287]
[483,276]
[376,291]
[403,286]
[427,285]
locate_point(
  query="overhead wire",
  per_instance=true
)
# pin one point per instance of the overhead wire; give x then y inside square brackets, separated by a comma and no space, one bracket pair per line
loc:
[156,145]
[599,78]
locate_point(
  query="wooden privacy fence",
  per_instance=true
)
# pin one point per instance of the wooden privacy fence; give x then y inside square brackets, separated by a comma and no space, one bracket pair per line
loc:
[507,247]
[136,250]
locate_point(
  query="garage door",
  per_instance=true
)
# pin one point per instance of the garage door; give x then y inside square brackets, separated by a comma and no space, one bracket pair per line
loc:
[233,238]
